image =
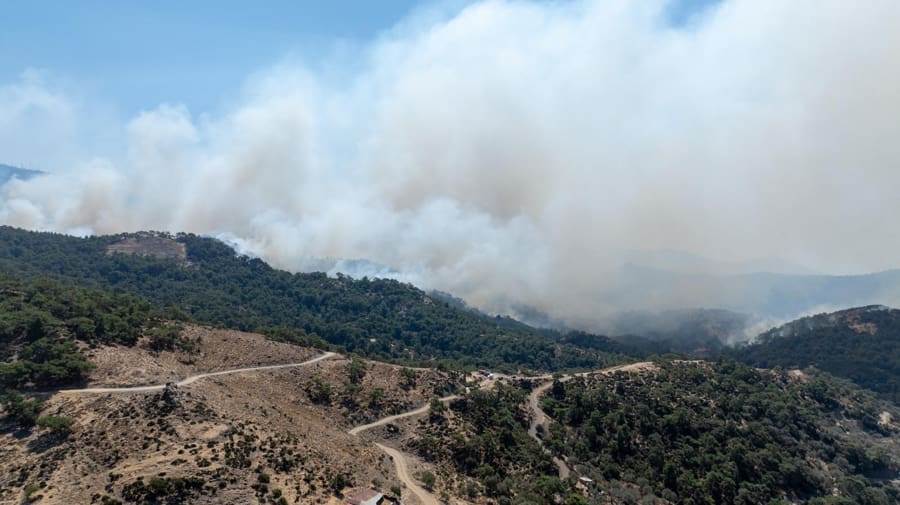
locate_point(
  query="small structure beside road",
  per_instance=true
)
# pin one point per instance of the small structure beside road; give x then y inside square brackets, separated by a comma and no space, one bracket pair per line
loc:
[366,497]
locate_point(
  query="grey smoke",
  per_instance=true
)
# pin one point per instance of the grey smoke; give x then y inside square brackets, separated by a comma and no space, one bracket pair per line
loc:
[515,152]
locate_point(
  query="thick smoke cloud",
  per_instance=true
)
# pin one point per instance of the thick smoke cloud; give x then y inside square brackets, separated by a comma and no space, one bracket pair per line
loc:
[515,152]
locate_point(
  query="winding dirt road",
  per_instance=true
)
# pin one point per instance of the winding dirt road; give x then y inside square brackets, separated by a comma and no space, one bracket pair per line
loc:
[400,463]
[399,459]
[539,418]
[419,411]
[403,474]
[192,379]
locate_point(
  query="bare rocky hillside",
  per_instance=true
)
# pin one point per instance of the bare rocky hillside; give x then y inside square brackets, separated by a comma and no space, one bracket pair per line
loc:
[267,436]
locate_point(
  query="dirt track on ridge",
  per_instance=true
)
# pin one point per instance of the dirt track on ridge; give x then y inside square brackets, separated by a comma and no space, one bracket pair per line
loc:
[193,378]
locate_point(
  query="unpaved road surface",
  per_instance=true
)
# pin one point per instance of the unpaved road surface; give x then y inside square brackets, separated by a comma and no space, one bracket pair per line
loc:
[194,378]
[539,418]
[419,411]
[399,459]
[403,474]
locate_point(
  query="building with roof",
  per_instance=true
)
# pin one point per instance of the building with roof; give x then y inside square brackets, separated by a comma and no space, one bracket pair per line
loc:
[366,497]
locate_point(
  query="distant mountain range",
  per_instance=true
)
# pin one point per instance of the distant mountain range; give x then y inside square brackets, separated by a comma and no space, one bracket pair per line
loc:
[689,301]
[767,295]
[8,172]
[689,311]
[690,263]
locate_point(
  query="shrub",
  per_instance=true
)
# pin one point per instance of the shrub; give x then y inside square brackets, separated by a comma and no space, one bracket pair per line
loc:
[59,425]
[320,391]
[428,479]
[178,488]
[30,489]
[356,369]
[168,338]
[21,409]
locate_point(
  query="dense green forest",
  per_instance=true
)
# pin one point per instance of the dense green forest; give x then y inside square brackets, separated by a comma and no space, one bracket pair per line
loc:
[389,320]
[724,433]
[43,324]
[861,344]
[382,319]
[484,437]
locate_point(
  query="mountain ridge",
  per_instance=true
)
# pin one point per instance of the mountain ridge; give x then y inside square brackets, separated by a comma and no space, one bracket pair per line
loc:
[861,344]
[381,318]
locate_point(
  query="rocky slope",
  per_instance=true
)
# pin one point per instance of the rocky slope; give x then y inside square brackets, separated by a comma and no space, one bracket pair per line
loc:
[266,436]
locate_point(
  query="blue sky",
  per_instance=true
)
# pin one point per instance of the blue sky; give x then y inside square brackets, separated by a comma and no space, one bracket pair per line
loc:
[136,55]
[143,53]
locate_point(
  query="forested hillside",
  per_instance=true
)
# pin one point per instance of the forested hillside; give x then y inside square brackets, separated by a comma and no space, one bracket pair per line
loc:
[861,344]
[43,323]
[698,433]
[45,327]
[382,319]
[483,439]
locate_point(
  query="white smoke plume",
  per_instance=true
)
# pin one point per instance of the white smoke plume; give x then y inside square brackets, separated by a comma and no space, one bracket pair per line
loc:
[511,153]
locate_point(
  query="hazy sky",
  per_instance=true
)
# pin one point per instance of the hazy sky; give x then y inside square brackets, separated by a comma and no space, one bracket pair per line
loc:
[500,150]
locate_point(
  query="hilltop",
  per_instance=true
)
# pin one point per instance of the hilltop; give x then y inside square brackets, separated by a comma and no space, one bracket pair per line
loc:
[105,398]
[861,344]
[150,245]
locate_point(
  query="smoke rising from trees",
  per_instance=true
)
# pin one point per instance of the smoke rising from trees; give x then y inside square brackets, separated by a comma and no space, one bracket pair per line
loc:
[514,152]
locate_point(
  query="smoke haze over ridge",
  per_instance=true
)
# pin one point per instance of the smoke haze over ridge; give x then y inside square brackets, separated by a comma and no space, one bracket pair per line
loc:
[511,153]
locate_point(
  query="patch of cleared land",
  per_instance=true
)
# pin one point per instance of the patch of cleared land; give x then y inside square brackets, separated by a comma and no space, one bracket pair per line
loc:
[150,245]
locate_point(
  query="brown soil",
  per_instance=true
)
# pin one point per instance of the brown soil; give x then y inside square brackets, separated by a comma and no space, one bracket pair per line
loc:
[216,350]
[226,430]
[150,245]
